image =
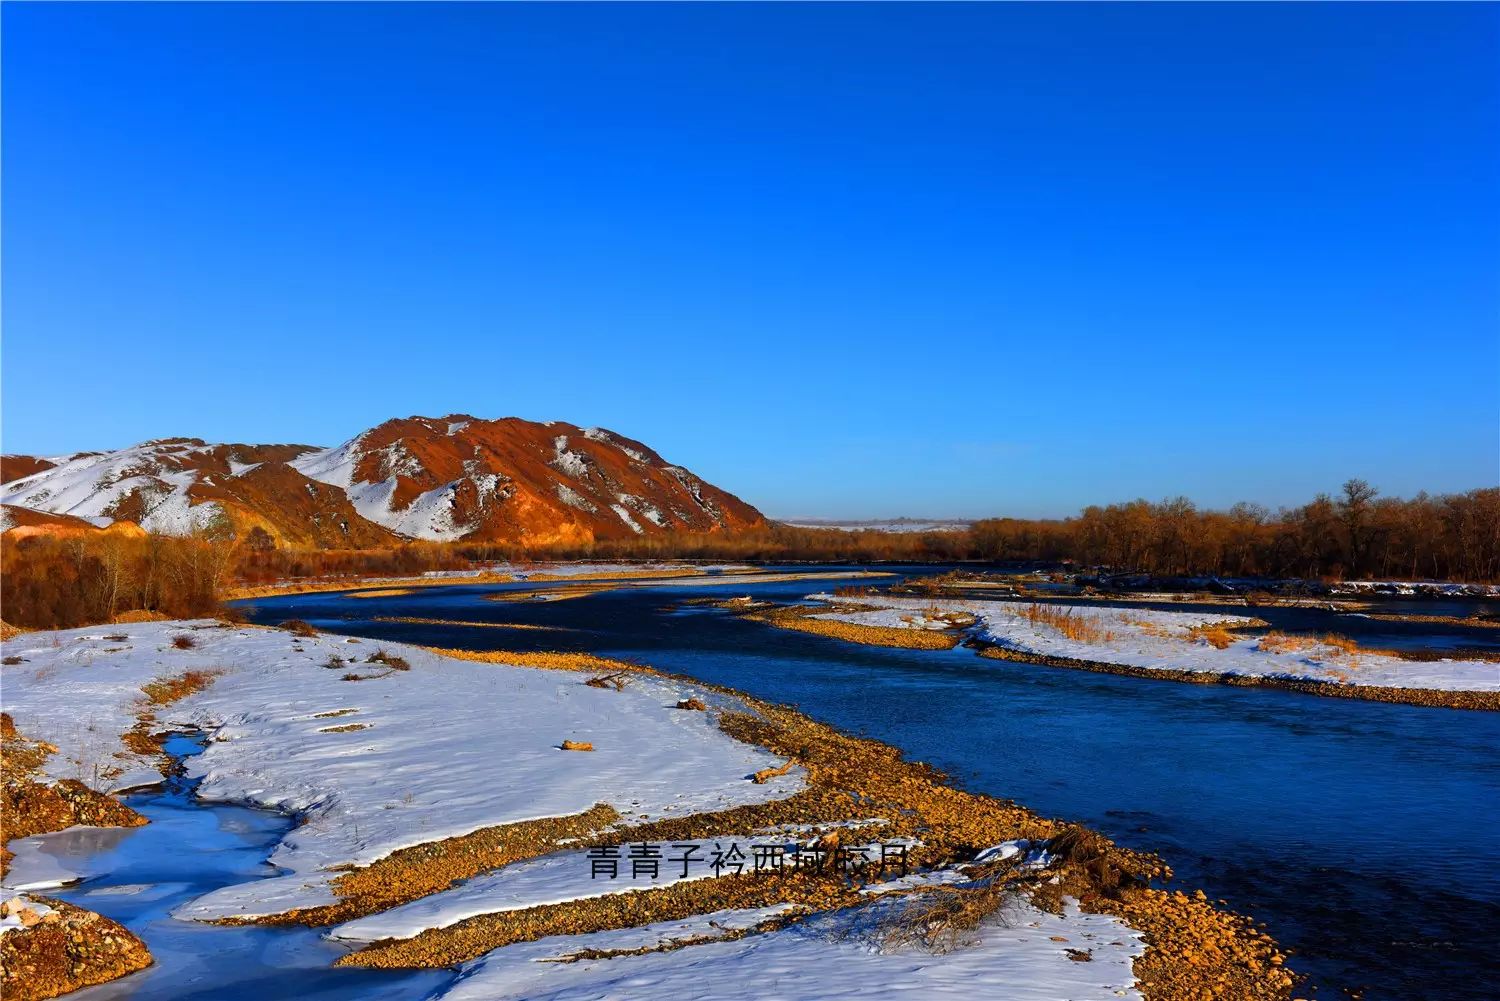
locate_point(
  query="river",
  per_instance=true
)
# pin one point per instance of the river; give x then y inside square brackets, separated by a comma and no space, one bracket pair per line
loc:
[1362,834]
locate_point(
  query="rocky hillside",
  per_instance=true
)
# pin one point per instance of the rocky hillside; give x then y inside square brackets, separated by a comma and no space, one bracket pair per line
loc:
[447,478]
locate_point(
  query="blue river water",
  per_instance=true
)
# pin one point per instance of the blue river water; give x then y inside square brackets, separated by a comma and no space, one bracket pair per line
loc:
[1363,835]
[187,850]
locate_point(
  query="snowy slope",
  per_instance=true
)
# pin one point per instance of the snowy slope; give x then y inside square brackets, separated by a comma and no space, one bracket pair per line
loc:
[418,478]
[146,483]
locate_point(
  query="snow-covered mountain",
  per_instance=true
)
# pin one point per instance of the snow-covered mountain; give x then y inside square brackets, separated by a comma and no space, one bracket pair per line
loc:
[447,478]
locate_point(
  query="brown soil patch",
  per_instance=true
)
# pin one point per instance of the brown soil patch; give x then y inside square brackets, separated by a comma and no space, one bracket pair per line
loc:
[66,950]
[799,618]
[165,691]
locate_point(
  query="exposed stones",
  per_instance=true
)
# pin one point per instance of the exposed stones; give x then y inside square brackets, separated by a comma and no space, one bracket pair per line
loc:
[62,950]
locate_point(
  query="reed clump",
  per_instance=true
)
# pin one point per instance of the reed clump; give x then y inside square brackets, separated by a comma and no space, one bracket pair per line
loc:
[1081,627]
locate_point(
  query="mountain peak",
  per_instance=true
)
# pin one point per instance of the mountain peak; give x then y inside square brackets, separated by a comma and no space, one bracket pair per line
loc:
[438,478]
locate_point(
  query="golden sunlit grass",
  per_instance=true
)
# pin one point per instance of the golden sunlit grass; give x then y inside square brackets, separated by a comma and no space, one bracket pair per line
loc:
[1214,634]
[1323,645]
[164,691]
[1079,626]
[556,660]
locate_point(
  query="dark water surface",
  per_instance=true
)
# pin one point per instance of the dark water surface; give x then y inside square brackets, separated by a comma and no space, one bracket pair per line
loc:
[1364,835]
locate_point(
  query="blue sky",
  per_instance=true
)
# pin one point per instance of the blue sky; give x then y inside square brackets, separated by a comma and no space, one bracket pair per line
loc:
[844,260]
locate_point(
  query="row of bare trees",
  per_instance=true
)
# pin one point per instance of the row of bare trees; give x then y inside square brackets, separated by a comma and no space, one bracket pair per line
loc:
[60,582]
[1355,534]
[51,582]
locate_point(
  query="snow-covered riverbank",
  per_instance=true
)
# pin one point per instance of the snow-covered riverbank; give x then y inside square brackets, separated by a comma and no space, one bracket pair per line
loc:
[380,748]
[1175,641]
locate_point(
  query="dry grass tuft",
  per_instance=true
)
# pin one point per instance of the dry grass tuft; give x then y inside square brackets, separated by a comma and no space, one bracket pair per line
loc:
[389,660]
[1079,626]
[1214,634]
[184,642]
[346,728]
[945,918]
[1325,645]
[616,681]
[298,628]
[165,691]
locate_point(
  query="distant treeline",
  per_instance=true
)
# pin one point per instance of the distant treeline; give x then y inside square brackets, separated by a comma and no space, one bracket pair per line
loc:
[1356,534]
[52,582]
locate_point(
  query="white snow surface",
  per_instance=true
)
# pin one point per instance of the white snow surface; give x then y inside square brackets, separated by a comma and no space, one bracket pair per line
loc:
[574,464]
[555,878]
[88,485]
[827,957]
[1158,640]
[573,498]
[624,514]
[451,746]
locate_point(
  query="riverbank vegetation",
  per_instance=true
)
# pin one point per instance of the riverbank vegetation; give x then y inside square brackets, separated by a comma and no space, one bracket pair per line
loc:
[52,582]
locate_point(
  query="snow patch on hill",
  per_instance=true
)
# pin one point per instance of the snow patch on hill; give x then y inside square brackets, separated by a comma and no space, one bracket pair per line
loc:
[97,486]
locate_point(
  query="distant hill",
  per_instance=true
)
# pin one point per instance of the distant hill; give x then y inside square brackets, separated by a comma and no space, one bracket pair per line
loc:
[447,478]
[885,524]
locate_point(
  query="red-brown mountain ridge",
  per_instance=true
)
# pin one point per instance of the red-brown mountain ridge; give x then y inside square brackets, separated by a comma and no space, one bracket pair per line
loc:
[445,478]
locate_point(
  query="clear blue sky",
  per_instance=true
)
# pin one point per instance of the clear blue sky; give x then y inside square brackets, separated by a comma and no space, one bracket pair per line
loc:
[844,260]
